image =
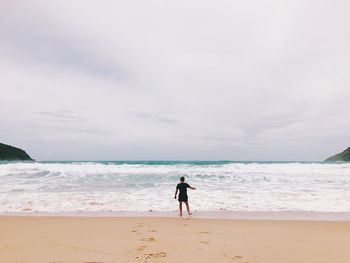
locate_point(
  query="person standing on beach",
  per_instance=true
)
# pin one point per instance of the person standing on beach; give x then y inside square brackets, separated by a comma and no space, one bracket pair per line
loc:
[182,188]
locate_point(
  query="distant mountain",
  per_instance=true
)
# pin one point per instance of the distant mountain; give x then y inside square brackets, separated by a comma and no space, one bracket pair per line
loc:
[10,153]
[343,156]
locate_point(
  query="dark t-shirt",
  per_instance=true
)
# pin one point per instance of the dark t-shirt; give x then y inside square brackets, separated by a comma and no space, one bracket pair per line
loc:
[183,189]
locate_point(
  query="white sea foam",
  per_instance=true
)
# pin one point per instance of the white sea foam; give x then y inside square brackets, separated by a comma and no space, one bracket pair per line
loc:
[114,187]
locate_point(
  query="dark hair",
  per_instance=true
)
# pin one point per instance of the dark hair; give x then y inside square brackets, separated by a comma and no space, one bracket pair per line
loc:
[182,179]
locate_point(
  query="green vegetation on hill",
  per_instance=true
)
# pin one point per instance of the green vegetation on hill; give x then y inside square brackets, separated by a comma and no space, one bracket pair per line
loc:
[9,153]
[343,156]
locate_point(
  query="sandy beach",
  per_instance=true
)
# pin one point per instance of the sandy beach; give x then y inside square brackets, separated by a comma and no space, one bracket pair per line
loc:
[141,239]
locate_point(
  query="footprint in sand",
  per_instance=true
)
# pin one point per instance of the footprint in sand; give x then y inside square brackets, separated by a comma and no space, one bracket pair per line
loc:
[136,229]
[148,239]
[235,258]
[156,255]
[141,249]
[136,232]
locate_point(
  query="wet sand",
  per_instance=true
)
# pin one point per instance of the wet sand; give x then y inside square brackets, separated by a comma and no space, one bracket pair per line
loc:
[160,239]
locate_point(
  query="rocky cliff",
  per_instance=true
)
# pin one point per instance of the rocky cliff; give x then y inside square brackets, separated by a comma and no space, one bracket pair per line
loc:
[10,153]
[343,156]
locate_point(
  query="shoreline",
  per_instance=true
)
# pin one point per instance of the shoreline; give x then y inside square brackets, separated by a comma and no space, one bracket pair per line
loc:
[218,215]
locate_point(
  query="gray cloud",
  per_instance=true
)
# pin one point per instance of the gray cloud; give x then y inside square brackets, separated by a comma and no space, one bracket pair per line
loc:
[67,122]
[37,40]
[60,115]
[156,117]
[182,80]
[74,130]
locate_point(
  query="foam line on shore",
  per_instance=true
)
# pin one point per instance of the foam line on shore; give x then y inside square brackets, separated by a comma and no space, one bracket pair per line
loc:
[234,215]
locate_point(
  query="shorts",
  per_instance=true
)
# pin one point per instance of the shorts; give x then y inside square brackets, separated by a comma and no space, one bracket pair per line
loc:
[183,198]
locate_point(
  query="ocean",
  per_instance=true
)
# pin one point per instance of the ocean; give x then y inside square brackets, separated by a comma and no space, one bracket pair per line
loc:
[144,186]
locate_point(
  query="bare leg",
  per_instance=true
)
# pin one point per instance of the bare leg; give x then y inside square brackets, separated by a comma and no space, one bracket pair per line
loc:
[180,208]
[188,208]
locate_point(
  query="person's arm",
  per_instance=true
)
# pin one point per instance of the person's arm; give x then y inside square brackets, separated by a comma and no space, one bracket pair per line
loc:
[193,188]
[176,193]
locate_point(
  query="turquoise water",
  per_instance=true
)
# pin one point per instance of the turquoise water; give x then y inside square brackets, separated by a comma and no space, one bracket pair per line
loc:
[151,162]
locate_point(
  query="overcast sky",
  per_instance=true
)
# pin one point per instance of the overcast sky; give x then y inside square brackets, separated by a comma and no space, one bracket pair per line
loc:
[237,80]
